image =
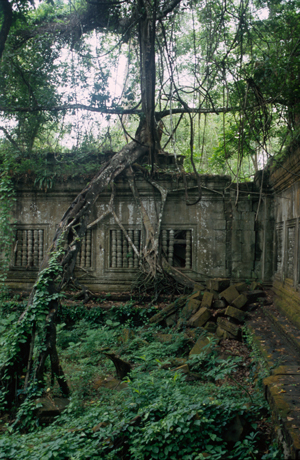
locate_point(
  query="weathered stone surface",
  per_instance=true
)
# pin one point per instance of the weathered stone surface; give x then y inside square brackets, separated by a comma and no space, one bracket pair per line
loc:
[218,304]
[210,326]
[199,287]
[111,383]
[207,299]
[218,284]
[230,294]
[200,318]
[190,308]
[164,338]
[216,294]
[240,301]
[184,369]
[255,286]
[127,334]
[196,295]
[222,334]
[227,326]
[171,320]
[253,296]
[51,407]
[168,311]
[204,343]
[235,313]
[241,287]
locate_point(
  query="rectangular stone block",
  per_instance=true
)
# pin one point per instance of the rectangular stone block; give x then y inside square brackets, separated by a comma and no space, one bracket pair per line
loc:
[218,284]
[190,308]
[235,313]
[204,343]
[200,318]
[253,296]
[227,326]
[219,304]
[240,301]
[230,294]
[241,287]
[207,299]
[196,295]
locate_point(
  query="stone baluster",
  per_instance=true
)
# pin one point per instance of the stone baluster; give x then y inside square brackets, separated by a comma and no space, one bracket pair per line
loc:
[165,243]
[24,249]
[29,248]
[125,250]
[137,245]
[113,249]
[35,248]
[171,247]
[88,259]
[19,248]
[130,260]
[119,249]
[188,249]
[41,246]
[83,253]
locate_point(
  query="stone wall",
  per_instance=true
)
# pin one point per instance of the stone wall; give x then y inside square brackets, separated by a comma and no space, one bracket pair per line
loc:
[218,237]
[285,181]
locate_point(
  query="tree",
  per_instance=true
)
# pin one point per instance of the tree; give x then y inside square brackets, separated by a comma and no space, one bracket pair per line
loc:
[217,64]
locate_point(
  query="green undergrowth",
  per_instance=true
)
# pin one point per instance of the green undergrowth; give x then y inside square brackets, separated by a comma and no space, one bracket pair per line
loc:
[157,412]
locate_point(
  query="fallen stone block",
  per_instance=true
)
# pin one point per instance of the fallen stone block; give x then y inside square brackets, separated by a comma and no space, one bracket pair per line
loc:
[199,287]
[163,338]
[199,318]
[229,327]
[196,295]
[168,311]
[203,344]
[190,308]
[240,301]
[171,320]
[235,313]
[218,304]
[230,294]
[255,286]
[207,299]
[222,334]
[127,334]
[218,284]
[210,326]
[253,296]
[241,287]
[184,369]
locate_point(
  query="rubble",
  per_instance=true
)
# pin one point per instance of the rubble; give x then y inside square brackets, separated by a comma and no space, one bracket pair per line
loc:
[220,308]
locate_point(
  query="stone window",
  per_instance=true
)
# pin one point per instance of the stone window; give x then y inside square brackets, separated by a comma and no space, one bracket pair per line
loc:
[121,253]
[28,248]
[84,257]
[291,230]
[279,248]
[177,247]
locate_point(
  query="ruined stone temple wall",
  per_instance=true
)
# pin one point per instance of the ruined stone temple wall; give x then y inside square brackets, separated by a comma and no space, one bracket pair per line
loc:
[217,237]
[285,181]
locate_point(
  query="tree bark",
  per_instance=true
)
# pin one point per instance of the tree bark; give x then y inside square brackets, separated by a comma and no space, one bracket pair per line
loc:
[6,9]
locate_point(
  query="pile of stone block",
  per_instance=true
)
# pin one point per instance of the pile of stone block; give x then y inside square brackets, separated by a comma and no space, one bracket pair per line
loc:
[219,308]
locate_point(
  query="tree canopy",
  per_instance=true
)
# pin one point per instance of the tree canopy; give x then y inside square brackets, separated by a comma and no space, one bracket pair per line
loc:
[217,80]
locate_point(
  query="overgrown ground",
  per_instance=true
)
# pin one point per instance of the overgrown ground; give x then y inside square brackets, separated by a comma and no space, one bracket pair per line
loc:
[216,410]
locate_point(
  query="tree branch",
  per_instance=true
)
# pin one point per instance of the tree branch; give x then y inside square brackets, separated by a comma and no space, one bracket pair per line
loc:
[6,8]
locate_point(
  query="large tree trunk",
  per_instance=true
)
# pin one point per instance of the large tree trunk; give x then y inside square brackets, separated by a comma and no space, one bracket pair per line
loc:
[64,249]
[58,266]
